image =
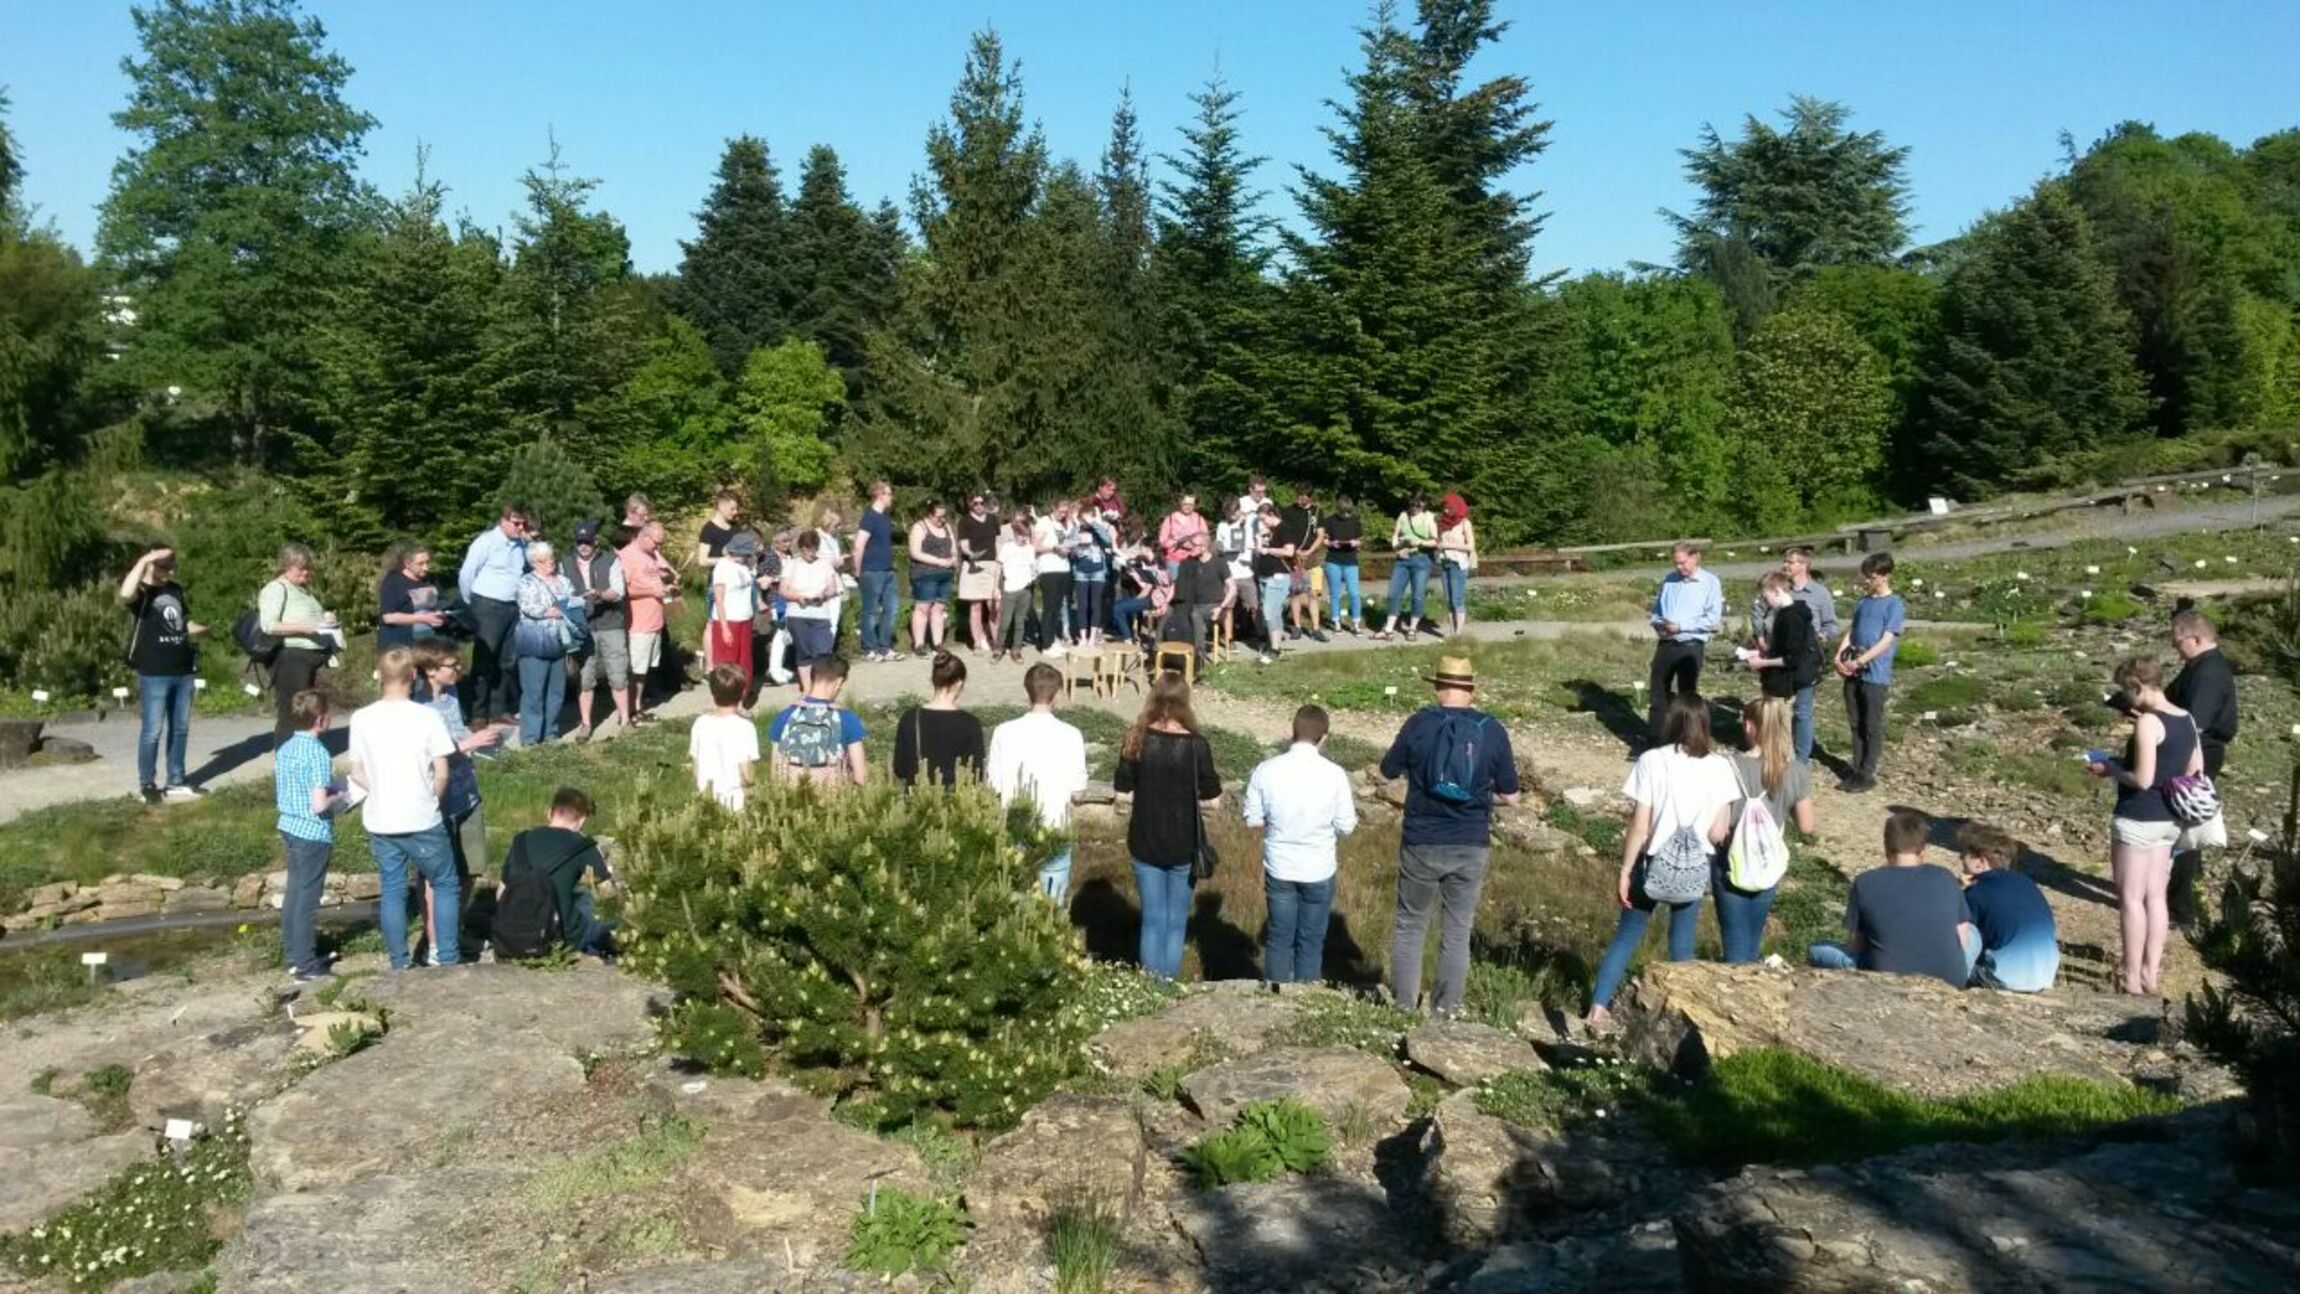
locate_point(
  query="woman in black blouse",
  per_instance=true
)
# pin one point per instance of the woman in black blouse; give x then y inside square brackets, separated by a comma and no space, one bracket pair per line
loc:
[1166,771]
[938,738]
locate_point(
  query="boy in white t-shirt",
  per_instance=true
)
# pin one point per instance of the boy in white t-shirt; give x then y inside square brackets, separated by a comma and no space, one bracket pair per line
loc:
[399,755]
[1043,758]
[723,745]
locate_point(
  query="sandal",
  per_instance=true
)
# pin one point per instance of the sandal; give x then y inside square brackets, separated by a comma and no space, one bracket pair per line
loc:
[1381,635]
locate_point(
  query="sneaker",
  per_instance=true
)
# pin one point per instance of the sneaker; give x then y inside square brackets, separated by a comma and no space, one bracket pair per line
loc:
[311,974]
[779,677]
[1320,636]
[1055,652]
[180,792]
[151,795]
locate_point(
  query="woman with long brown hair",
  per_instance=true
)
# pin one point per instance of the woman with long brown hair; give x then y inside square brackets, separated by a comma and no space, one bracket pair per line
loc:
[1768,770]
[2164,746]
[1166,774]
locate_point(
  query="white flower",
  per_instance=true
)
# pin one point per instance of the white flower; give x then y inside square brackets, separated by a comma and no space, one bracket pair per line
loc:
[2201,563]
[2092,570]
[2021,576]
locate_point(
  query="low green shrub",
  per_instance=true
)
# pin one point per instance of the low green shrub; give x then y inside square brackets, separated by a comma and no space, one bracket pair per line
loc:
[1567,1098]
[1229,1156]
[1266,1139]
[1335,1021]
[2112,607]
[2025,633]
[1083,1242]
[889,949]
[1915,654]
[1945,692]
[898,1232]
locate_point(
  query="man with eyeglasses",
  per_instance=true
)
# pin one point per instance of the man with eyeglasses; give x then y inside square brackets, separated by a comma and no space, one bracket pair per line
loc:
[489,582]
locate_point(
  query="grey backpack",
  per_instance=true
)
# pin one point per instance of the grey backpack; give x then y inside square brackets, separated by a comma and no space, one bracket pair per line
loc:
[1677,869]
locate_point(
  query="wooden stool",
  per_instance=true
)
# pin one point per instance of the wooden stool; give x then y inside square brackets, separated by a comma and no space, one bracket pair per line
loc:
[1185,652]
[1081,667]
[1116,667]
[1218,640]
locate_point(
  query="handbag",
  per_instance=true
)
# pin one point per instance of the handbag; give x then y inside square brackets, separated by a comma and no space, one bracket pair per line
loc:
[1204,860]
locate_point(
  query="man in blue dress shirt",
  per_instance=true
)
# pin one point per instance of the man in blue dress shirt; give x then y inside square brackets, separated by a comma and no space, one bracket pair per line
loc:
[1689,609]
[489,582]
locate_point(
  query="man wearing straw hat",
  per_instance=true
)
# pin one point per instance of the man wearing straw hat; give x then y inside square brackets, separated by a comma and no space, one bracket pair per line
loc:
[1457,764]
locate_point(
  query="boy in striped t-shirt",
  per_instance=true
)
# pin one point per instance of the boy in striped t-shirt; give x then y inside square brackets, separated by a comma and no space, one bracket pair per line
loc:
[305,789]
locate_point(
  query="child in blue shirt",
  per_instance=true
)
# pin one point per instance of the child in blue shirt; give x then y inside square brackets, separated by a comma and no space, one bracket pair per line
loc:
[307,795]
[1865,662]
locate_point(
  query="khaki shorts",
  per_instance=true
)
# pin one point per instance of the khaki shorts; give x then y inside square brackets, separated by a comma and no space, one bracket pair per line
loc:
[2143,835]
[609,658]
[646,652]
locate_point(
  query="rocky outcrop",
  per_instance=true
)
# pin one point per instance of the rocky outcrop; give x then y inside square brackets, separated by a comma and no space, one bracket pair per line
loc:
[119,898]
[2157,1213]
[1464,1053]
[51,1153]
[1302,1234]
[1491,1180]
[1911,1033]
[1341,1083]
[1231,1018]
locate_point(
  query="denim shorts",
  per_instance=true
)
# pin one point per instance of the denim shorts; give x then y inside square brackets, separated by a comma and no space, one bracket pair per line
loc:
[931,586]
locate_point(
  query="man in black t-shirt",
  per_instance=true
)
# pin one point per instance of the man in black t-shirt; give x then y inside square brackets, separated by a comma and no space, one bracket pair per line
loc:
[1298,529]
[711,541]
[1273,575]
[1202,591]
[160,651]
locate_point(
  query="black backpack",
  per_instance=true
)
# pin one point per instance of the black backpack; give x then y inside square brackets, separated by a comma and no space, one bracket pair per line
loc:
[526,911]
[260,648]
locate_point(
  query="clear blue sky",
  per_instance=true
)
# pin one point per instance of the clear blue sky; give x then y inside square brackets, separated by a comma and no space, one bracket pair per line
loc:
[642,95]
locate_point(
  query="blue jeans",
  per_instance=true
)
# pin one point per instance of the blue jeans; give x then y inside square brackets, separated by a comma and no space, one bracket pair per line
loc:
[1338,578]
[1054,877]
[1631,932]
[1165,916]
[1274,589]
[542,692]
[433,860]
[1122,615]
[1801,725]
[590,935]
[1741,918]
[1294,944]
[880,606]
[166,699]
[1831,955]
[1410,576]
[1456,580]
[1089,603]
[299,908]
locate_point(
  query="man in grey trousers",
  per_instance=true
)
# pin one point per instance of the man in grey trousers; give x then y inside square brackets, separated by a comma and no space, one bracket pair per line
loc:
[1457,764]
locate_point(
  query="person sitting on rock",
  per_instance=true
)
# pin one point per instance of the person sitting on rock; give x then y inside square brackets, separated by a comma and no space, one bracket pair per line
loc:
[542,905]
[2020,945]
[1908,916]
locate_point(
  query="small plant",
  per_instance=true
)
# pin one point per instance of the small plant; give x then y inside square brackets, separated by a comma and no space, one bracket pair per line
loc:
[44,1082]
[1424,1092]
[1915,654]
[948,1155]
[1112,992]
[662,1143]
[2025,633]
[1083,1241]
[1357,1125]
[1165,1082]
[1587,1095]
[1295,1131]
[1231,1155]
[1334,1021]
[897,1232]
[151,1217]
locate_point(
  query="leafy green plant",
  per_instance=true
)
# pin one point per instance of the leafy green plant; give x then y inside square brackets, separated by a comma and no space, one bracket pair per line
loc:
[1231,1155]
[2245,1015]
[1083,1241]
[2112,607]
[897,1232]
[2026,633]
[1566,1098]
[1915,654]
[1295,1131]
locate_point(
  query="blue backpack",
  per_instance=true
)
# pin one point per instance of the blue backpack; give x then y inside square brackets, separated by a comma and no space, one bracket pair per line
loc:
[1453,766]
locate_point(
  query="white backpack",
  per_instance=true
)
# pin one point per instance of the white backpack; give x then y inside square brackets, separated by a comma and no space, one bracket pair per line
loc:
[1759,855]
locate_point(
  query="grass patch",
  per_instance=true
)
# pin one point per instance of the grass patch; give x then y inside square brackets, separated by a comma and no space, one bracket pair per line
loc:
[50,978]
[1808,907]
[152,1217]
[1517,680]
[1082,1239]
[949,1156]
[1349,1022]
[1601,832]
[1946,693]
[660,1145]
[104,1090]
[1578,1097]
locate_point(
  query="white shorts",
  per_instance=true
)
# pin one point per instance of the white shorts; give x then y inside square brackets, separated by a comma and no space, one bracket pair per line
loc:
[646,652]
[2143,835]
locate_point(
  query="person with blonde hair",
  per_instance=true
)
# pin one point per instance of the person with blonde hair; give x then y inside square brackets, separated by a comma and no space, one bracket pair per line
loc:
[399,757]
[2165,745]
[1166,779]
[287,609]
[1767,770]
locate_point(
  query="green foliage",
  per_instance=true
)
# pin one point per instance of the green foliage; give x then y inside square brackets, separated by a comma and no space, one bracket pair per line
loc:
[71,643]
[1577,1097]
[734,284]
[1334,1020]
[1082,1239]
[682,417]
[899,1232]
[1810,407]
[1815,194]
[661,1144]
[152,1217]
[555,487]
[1914,654]
[842,265]
[2244,1014]
[887,948]
[786,404]
[1230,1156]
[1294,1131]
[2114,606]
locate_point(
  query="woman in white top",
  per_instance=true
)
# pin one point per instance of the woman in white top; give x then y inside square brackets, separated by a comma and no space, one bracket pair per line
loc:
[1456,557]
[1017,572]
[735,602]
[1680,785]
[1054,535]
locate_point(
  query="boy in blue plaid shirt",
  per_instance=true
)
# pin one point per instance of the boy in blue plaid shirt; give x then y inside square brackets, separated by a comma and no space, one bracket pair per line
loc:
[305,789]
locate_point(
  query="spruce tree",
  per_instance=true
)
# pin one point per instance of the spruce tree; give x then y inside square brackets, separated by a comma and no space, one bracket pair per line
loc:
[229,217]
[2035,353]
[1130,397]
[842,264]
[735,282]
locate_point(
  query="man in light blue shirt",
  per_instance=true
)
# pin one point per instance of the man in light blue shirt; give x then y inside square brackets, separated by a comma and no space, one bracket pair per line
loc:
[1302,802]
[1689,608]
[489,581]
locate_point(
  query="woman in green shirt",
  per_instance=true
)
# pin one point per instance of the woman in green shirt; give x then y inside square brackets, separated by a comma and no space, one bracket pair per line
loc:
[1415,538]
[287,610]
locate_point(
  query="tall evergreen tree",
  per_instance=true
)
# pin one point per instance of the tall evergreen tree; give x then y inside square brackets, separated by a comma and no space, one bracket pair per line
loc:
[735,282]
[11,166]
[2035,353]
[411,430]
[1816,193]
[1130,398]
[843,262]
[1209,262]
[229,217]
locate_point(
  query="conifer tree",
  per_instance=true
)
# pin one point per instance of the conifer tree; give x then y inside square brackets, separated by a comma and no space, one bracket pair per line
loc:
[1810,405]
[1130,396]
[681,416]
[229,217]
[1816,193]
[735,282]
[842,264]
[2035,353]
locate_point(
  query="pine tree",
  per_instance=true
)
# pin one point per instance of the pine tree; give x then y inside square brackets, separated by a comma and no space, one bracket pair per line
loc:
[842,265]
[2035,353]
[11,167]
[1817,193]
[555,488]
[736,280]
[410,432]
[1130,399]
[228,220]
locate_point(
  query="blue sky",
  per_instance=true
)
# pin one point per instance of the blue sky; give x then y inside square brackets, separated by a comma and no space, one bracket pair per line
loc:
[642,96]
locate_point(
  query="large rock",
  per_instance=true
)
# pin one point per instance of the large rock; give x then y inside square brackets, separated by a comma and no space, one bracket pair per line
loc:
[1909,1032]
[50,1155]
[200,1078]
[1231,1018]
[1334,1081]
[1070,1150]
[1640,1260]
[1463,1052]
[415,1231]
[18,739]
[1298,1234]
[2153,1214]
[1491,1180]
[587,1007]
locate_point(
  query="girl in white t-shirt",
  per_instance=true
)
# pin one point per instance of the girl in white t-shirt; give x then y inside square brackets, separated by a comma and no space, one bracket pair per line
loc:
[1679,785]
[1017,573]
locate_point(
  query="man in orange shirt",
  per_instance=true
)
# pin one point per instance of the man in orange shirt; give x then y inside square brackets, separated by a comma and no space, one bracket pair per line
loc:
[648,580]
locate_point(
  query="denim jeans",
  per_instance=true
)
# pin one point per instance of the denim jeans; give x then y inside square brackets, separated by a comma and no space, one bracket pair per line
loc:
[166,700]
[1273,589]
[1740,917]
[1294,944]
[1123,613]
[1430,877]
[1340,578]
[428,852]
[1089,604]
[1054,878]
[1165,895]
[880,606]
[590,935]
[1455,577]
[1801,725]
[1630,932]
[1409,576]
[1832,955]
[542,694]
[299,908]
